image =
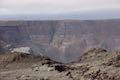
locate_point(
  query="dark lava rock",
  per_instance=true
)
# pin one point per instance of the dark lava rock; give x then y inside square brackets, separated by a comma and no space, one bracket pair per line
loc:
[61,67]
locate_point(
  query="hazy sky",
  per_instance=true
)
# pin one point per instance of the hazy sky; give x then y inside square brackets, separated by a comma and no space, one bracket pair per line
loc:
[59,9]
[23,7]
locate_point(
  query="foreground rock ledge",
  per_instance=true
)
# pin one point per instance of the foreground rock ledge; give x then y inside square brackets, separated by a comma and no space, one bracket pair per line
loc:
[96,64]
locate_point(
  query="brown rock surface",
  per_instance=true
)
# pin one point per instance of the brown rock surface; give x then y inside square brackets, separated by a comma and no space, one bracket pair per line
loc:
[96,64]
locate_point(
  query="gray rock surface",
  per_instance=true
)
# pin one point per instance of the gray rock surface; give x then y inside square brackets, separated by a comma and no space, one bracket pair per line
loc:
[62,40]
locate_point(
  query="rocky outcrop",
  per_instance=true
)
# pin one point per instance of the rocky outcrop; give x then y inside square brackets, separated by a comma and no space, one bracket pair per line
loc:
[95,64]
[63,40]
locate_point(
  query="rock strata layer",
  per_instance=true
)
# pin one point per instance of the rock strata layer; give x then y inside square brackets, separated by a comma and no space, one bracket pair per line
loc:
[62,40]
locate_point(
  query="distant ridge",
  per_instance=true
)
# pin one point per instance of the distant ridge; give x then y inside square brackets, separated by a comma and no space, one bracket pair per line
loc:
[60,40]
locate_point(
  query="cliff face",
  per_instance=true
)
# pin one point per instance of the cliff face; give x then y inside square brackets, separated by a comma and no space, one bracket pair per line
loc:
[62,41]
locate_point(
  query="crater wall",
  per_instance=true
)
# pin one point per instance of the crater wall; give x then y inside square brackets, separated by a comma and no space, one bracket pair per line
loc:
[62,40]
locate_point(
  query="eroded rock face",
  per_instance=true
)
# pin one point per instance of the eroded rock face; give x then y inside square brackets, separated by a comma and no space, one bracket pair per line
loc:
[22,50]
[62,41]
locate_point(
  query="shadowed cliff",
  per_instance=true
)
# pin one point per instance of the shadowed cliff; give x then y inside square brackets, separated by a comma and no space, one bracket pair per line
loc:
[62,40]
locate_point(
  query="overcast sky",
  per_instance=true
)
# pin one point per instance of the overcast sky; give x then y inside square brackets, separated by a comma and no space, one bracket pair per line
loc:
[40,7]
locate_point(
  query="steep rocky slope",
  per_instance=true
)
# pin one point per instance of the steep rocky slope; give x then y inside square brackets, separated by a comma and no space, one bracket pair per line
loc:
[63,40]
[95,64]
